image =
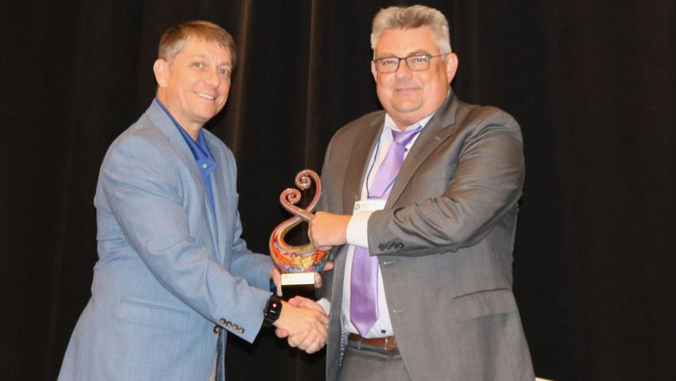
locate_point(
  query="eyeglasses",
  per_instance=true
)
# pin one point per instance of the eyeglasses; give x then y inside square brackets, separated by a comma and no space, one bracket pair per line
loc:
[418,62]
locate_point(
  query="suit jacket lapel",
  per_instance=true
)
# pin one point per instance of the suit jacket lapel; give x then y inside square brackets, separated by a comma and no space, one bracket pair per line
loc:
[220,195]
[169,129]
[435,132]
[162,121]
[364,145]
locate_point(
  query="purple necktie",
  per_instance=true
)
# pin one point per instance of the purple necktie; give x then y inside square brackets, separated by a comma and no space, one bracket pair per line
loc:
[364,275]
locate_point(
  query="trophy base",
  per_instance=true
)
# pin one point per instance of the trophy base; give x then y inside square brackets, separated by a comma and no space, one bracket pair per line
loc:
[298,284]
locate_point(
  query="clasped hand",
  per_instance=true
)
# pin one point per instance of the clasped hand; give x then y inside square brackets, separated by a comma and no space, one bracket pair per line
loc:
[304,323]
[328,230]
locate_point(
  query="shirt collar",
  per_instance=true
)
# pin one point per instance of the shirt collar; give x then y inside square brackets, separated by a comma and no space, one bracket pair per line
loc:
[389,123]
[199,148]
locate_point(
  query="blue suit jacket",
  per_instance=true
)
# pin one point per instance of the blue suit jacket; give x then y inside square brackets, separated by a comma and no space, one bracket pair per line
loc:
[169,267]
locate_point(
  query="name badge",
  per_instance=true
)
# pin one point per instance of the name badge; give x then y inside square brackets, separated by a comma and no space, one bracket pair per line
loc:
[369,205]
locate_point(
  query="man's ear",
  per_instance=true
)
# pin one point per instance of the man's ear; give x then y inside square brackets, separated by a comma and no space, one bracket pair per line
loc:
[451,66]
[161,70]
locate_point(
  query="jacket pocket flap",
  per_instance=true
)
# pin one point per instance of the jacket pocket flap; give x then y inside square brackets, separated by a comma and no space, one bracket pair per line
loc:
[491,302]
[153,315]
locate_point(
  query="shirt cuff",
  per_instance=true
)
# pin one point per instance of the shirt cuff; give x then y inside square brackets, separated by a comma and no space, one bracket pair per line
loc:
[358,229]
[326,305]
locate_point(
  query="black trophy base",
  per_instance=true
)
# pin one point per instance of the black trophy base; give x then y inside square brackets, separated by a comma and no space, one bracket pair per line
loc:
[298,284]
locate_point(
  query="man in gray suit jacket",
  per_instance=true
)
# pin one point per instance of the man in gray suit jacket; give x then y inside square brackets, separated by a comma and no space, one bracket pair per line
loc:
[174,276]
[438,232]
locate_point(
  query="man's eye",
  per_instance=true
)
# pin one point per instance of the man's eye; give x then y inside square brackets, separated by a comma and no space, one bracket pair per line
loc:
[388,62]
[198,65]
[224,71]
[419,59]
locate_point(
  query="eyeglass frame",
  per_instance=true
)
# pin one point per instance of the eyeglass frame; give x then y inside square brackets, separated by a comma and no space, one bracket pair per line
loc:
[405,59]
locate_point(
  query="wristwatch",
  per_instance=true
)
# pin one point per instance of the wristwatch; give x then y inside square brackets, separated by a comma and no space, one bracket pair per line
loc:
[273,308]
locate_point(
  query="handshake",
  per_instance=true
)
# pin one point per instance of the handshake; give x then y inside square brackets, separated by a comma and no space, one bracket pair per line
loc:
[302,321]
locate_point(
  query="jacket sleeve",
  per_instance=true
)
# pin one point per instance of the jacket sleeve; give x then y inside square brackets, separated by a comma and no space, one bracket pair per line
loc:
[486,185]
[144,192]
[255,268]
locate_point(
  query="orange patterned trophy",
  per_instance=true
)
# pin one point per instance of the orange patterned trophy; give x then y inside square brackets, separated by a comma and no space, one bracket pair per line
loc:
[297,264]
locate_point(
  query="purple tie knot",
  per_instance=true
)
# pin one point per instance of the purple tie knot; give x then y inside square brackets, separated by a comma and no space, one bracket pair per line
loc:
[404,137]
[389,168]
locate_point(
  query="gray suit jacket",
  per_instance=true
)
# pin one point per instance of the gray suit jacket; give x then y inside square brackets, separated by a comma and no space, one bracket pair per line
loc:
[169,267]
[444,242]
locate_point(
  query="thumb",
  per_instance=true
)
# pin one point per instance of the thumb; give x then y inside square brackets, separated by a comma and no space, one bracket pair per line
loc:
[296,301]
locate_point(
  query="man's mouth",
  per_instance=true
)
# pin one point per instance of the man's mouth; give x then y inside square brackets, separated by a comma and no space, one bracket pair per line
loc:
[206,96]
[406,89]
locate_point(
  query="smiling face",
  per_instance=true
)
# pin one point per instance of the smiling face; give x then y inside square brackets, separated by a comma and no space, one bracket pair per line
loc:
[409,96]
[195,85]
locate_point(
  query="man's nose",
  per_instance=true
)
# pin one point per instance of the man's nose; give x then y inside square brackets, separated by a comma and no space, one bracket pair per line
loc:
[403,70]
[212,78]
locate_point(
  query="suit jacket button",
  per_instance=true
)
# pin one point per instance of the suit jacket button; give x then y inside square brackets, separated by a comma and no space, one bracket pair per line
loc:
[381,247]
[401,245]
[241,331]
[217,329]
[222,321]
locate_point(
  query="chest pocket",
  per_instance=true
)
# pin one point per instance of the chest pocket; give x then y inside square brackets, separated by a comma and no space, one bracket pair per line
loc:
[153,315]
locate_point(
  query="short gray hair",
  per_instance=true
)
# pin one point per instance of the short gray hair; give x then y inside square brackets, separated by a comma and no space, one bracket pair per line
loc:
[412,17]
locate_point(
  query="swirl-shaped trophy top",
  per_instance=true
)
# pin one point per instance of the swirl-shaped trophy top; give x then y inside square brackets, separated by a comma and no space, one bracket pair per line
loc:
[289,258]
[290,197]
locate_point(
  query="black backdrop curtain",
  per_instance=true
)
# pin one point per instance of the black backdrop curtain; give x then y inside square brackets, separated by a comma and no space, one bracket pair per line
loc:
[591,82]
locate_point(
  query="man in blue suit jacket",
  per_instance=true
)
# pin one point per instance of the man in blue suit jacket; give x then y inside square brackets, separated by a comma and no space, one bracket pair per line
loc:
[174,277]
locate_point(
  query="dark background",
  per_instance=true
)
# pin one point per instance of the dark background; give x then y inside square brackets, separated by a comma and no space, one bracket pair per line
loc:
[591,82]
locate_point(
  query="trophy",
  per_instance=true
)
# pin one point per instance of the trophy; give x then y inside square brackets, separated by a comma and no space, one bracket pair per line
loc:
[297,264]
